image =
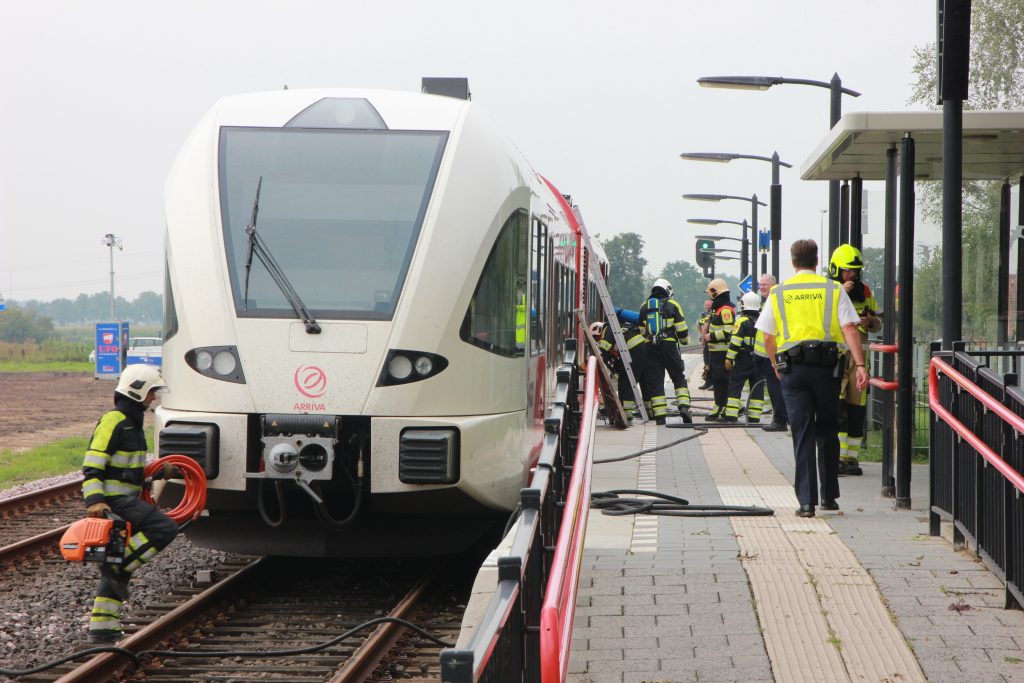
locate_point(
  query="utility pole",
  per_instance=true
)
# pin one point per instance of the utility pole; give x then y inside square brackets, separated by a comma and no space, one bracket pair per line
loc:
[111,241]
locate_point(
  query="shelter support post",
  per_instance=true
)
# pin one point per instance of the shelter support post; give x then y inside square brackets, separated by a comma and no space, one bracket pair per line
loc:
[952,220]
[775,214]
[889,325]
[856,219]
[1020,261]
[1003,287]
[844,214]
[905,363]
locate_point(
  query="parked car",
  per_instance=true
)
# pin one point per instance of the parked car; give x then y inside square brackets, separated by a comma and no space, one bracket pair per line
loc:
[147,350]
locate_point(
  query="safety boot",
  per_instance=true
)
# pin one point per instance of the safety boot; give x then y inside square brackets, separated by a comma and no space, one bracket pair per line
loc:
[849,466]
[728,419]
[108,637]
[685,414]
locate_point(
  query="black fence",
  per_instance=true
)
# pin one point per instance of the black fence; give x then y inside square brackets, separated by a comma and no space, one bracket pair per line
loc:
[506,644]
[977,457]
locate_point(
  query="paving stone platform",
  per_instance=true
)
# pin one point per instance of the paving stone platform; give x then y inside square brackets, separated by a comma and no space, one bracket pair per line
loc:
[863,594]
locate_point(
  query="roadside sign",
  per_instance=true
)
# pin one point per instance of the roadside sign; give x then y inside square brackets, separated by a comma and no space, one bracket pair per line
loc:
[747,284]
[3,306]
[764,240]
[111,349]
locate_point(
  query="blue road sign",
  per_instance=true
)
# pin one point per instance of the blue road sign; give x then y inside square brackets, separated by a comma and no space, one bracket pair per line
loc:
[747,284]
[3,306]
[764,240]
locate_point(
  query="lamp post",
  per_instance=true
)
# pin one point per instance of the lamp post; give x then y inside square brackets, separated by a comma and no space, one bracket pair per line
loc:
[112,241]
[753,214]
[836,91]
[745,256]
[775,198]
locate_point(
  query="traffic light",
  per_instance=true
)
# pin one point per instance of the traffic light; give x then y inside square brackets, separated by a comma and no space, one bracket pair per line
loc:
[706,256]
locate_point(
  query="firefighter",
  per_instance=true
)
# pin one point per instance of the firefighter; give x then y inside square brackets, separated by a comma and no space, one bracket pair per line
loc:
[114,477]
[665,330]
[763,368]
[739,361]
[723,317]
[806,321]
[702,326]
[637,345]
[845,267]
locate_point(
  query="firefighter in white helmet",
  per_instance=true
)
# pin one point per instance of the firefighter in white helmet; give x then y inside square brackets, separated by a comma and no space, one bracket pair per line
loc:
[665,329]
[739,361]
[114,477]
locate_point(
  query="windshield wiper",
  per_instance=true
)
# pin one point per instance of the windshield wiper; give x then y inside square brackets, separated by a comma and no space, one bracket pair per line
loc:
[258,247]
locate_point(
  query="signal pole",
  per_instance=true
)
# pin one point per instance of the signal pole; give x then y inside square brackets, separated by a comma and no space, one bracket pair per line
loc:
[111,241]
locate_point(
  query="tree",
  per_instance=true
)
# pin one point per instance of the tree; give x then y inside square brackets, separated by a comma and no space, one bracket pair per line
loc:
[626,269]
[19,326]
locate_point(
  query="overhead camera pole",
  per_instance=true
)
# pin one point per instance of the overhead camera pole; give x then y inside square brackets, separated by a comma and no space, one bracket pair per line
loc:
[111,241]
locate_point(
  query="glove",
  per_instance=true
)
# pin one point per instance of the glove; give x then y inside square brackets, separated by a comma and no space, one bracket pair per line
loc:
[97,510]
[171,472]
[728,365]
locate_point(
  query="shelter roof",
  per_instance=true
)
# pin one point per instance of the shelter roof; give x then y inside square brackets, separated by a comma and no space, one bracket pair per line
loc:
[993,145]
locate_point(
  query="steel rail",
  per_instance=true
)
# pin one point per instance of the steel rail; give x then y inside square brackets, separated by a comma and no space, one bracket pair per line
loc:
[360,666]
[107,665]
[48,538]
[937,366]
[38,497]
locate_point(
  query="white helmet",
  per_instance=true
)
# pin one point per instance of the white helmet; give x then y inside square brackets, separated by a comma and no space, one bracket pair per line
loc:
[751,301]
[596,329]
[137,380]
[663,284]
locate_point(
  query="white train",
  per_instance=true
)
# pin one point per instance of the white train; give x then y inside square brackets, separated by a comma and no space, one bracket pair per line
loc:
[367,294]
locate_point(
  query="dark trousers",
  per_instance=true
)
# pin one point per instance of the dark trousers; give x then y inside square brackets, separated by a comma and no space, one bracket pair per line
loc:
[158,529]
[763,369]
[661,358]
[637,355]
[719,380]
[810,395]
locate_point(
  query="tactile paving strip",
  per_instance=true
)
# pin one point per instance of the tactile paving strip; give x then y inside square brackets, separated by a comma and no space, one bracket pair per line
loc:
[645,527]
[822,616]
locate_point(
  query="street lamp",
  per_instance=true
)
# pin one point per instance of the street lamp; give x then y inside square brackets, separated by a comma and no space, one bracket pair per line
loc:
[837,90]
[753,215]
[775,212]
[112,241]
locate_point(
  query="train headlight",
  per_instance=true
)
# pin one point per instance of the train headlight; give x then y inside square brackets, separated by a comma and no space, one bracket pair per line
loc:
[402,367]
[224,363]
[423,365]
[204,361]
[217,362]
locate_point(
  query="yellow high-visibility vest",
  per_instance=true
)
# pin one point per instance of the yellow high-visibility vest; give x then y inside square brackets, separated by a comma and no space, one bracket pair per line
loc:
[806,308]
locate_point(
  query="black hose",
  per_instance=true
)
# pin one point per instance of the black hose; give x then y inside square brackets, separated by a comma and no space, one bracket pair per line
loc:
[135,657]
[697,431]
[610,504]
[281,506]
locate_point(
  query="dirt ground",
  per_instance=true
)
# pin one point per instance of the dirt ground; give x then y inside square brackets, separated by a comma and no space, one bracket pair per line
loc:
[40,407]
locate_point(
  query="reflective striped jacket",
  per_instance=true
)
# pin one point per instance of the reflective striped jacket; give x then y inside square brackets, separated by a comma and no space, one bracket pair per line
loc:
[115,462]
[741,343]
[723,318]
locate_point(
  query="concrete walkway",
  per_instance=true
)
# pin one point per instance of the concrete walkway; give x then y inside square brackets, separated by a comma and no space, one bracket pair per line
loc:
[863,594]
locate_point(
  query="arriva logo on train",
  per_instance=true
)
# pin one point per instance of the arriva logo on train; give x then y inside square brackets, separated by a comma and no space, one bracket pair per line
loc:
[311,382]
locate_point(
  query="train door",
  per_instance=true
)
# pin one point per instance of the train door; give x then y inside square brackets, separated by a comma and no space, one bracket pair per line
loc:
[539,322]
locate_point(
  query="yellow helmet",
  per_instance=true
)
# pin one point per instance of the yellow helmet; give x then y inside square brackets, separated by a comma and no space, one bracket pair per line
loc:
[845,257]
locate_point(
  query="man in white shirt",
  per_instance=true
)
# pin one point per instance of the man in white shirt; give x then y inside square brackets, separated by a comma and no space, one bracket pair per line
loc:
[808,322]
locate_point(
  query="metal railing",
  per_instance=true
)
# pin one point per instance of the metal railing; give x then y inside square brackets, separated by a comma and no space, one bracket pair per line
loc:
[977,456]
[506,645]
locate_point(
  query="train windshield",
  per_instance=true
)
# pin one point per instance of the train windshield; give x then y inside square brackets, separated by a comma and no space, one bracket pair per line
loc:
[339,209]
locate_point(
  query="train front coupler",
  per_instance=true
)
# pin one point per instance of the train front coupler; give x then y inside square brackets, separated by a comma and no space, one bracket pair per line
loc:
[298,448]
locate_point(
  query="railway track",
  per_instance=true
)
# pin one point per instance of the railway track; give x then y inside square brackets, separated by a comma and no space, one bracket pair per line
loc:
[240,627]
[34,522]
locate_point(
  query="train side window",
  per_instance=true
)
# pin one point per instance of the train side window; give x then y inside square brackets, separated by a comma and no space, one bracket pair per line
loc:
[538,285]
[496,319]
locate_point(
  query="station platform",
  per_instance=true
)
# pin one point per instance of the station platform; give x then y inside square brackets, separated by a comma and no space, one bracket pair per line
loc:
[862,594]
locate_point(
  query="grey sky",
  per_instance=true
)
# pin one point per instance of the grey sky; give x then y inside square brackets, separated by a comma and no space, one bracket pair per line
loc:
[601,97]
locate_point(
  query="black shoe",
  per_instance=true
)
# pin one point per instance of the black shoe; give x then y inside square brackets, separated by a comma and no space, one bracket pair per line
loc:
[774,427]
[104,637]
[705,386]
[713,417]
[805,511]
[685,414]
[660,420]
[829,504]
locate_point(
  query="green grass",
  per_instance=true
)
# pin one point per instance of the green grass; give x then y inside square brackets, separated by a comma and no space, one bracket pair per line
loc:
[59,457]
[46,366]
